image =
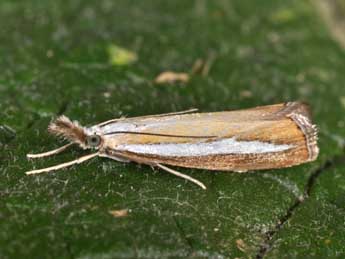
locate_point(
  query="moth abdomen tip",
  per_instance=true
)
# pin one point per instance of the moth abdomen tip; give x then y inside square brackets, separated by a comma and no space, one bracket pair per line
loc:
[310,132]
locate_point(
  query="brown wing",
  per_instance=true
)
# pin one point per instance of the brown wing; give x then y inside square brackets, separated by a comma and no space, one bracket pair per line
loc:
[276,124]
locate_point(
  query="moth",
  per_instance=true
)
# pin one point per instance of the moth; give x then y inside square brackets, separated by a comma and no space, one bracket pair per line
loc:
[264,137]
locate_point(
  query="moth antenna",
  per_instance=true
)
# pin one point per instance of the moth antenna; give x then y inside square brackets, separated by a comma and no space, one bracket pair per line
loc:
[65,128]
[51,152]
[63,165]
[191,179]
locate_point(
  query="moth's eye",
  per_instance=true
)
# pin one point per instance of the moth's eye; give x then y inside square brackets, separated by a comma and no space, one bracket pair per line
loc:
[93,140]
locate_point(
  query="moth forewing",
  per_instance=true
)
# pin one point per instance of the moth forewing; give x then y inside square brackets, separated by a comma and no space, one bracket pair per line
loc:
[265,137]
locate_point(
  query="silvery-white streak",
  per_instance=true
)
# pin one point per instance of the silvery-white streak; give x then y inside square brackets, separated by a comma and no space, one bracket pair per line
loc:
[223,146]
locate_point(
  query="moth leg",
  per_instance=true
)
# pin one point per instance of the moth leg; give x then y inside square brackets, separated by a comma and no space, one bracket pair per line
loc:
[110,121]
[191,179]
[148,116]
[175,113]
[63,165]
[115,157]
[145,161]
[51,152]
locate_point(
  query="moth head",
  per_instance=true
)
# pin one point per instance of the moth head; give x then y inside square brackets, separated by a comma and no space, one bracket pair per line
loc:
[74,132]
